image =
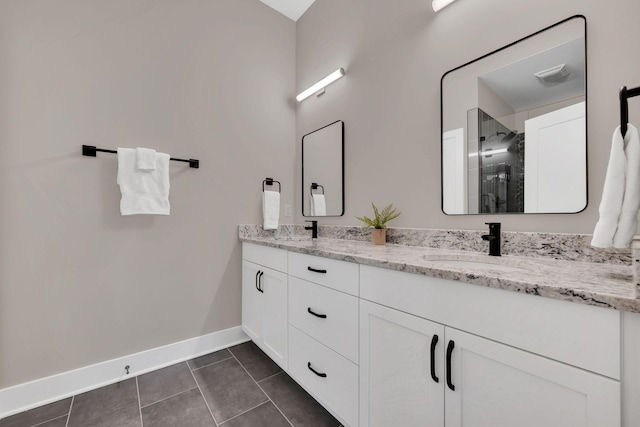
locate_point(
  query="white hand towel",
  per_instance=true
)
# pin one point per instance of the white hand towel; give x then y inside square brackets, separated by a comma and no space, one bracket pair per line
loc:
[270,209]
[628,221]
[143,192]
[146,159]
[318,205]
[612,194]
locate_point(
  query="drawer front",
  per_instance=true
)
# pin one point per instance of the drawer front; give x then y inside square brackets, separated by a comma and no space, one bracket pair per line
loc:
[266,256]
[329,316]
[338,275]
[338,390]
[576,334]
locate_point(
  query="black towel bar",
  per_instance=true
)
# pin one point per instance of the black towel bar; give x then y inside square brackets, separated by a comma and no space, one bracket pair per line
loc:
[90,150]
[271,181]
[315,186]
[625,94]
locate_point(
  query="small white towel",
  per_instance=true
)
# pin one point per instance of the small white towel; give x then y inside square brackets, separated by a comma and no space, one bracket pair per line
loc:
[628,221]
[318,205]
[270,209]
[612,194]
[143,192]
[146,159]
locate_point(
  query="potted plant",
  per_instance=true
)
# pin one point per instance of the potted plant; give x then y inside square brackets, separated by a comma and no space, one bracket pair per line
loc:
[378,224]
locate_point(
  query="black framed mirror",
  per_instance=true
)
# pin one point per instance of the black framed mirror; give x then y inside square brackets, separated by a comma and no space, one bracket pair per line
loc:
[323,171]
[514,126]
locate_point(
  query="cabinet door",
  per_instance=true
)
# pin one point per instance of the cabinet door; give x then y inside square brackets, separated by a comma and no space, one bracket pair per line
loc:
[497,385]
[251,301]
[396,384]
[274,322]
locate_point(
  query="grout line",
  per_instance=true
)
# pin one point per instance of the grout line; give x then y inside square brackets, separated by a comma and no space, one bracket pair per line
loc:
[69,414]
[169,397]
[139,402]
[265,393]
[242,413]
[52,419]
[270,376]
[204,398]
[200,367]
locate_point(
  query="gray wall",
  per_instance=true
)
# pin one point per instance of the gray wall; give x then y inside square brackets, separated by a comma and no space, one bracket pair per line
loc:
[208,79]
[395,53]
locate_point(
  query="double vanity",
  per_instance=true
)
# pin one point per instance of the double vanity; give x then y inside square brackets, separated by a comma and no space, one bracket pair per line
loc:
[412,335]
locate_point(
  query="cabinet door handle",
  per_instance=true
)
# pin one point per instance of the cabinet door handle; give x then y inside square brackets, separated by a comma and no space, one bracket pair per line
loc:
[322,316]
[449,351]
[260,282]
[315,270]
[434,343]
[316,372]
[257,273]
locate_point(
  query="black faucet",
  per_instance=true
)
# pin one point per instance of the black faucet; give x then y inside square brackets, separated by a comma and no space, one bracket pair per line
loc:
[493,237]
[313,228]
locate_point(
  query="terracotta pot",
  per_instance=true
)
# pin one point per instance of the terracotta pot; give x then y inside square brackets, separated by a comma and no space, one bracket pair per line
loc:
[378,236]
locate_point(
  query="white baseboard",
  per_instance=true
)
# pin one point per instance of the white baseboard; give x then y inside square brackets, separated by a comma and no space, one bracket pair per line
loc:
[40,392]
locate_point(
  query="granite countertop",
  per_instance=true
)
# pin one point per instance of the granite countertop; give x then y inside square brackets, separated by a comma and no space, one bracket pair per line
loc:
[591,283]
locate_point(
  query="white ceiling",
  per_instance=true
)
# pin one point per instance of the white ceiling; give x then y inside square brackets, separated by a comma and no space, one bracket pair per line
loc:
[292,9]
[518,87]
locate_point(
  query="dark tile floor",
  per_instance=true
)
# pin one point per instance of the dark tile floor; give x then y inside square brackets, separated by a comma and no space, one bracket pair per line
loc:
[235,387]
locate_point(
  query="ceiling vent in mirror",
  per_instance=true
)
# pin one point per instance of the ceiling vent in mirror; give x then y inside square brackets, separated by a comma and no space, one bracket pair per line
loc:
[553,74]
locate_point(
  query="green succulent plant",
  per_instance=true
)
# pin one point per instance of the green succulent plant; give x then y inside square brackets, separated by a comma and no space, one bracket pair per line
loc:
[380,218]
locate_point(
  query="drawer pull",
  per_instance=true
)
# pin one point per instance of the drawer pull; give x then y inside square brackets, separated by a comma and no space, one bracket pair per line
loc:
[316,372]
[449,351]
[315,270]
[434,343]
[257,273]
[260,282]
[322,316]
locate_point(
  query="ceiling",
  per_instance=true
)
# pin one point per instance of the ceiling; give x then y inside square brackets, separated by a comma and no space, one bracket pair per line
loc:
[292,9]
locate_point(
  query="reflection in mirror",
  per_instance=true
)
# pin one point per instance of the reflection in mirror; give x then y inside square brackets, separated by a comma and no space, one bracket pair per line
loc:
[323,171]
[514,127]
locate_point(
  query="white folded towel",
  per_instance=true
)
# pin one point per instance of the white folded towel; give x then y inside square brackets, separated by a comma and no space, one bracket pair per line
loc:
[318,205]
[270,209]
[628,221]
[143,192]
[613,193]
[146,159]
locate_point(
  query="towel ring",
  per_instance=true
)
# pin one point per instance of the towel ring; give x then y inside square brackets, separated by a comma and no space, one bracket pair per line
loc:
[315,186]
[271,181]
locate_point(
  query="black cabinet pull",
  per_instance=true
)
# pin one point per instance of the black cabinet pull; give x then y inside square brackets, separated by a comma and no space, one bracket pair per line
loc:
[315,270]
[257,273]
[449,351]
[322,316]
[260,282]
[434,343]
[316,372]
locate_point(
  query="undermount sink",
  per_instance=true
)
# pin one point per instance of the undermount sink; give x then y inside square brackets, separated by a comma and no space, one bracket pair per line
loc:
[475,262]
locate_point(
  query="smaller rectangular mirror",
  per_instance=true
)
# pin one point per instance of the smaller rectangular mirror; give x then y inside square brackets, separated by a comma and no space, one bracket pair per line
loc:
[323,171]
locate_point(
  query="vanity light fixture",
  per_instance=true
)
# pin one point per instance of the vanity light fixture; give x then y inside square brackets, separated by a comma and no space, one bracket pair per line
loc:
[321,84]
[489,152]
[439,4]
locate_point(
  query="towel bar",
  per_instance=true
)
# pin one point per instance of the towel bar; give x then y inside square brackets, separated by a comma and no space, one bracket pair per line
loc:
[315,186]
[625,94]
[90,150]
[271,181]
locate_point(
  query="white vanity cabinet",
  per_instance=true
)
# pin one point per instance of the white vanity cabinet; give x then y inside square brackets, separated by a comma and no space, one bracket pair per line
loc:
[480,382]
[264,301]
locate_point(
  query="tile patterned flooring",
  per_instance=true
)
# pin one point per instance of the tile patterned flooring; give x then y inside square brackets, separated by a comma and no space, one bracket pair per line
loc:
[235,387]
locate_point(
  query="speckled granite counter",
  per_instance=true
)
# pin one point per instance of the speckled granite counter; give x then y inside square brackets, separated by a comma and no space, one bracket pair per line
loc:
[603,284]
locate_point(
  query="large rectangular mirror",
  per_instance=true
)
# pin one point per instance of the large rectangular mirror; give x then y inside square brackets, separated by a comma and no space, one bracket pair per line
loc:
[323,171]
[514,127]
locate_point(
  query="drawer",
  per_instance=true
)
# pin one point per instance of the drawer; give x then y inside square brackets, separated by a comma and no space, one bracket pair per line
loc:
[266,256]
[576,334]
[338,390]
[338,275]
[339,329]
